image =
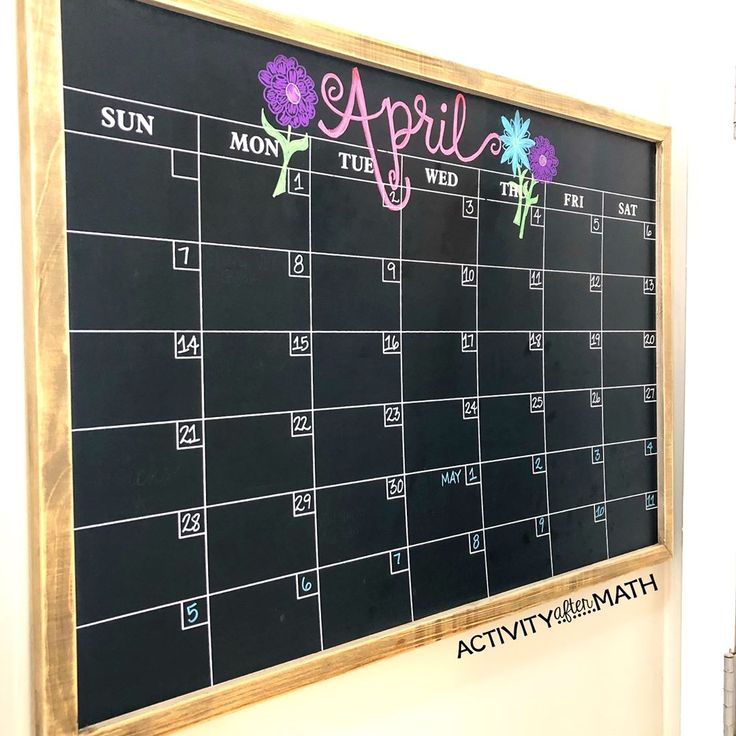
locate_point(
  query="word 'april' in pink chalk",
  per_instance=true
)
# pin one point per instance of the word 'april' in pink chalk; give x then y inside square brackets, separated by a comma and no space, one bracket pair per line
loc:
[404,122]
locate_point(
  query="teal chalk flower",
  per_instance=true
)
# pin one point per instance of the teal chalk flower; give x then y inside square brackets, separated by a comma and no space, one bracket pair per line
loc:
[516,141]
[532,160]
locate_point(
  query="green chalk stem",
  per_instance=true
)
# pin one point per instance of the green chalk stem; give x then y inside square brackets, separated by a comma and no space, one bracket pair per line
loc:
[526,200]
[288,147]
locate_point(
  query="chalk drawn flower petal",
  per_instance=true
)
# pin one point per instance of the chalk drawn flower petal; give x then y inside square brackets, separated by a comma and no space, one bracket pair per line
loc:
[289,91]
[280,64]
[543,159]
[265,77]
[516,141]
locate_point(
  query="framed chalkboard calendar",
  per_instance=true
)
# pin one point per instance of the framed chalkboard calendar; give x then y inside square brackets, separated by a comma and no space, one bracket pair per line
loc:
[333,350]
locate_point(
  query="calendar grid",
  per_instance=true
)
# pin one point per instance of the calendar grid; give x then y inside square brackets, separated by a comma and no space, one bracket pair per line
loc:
[353,332]
[358,256]
[347,144]
[291,493]
[297,386]
[456,465]
[544,393]
[603,383]
[403,402]
[226,417]
[202,399]
[399,188]
[477,383]
[382,553]
[313,438]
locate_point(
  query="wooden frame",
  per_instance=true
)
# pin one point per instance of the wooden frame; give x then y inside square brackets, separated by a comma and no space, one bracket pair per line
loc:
[48,388]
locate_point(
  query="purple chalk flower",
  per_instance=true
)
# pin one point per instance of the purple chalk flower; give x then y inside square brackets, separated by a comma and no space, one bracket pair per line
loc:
[543,160]
[289,91]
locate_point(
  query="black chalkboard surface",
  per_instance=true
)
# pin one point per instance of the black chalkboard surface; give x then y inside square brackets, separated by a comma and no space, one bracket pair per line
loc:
[348,349]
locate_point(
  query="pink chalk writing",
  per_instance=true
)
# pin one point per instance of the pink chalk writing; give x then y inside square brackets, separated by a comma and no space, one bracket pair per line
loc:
[403,122]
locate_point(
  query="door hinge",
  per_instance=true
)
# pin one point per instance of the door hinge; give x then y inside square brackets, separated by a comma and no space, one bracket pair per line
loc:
[729,694]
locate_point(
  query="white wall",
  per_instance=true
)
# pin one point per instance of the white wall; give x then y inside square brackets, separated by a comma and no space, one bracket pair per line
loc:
[709,539]
[14,646]
[610,675]
[600,676]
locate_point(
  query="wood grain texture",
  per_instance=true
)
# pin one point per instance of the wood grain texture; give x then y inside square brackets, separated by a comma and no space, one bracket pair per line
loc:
[47,367]
[175,714]
[665,387]
[327,39]
[48,390]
